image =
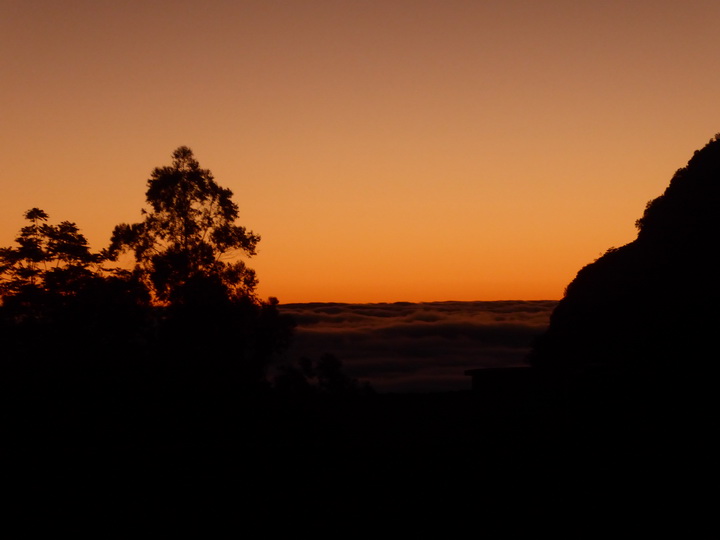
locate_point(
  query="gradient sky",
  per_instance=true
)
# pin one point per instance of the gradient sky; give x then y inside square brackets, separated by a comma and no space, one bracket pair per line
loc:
[384,150]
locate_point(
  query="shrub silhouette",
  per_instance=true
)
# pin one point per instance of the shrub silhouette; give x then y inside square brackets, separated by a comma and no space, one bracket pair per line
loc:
[325,376]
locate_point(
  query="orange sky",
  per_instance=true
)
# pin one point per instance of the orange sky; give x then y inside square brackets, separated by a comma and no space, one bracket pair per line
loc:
[387,150]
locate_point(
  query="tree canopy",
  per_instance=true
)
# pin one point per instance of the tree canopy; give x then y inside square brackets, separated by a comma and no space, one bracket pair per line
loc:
[187,306]
[188,239]
[49,257]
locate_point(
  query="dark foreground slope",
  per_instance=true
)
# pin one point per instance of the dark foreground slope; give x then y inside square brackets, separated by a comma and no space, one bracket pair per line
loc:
[343,464]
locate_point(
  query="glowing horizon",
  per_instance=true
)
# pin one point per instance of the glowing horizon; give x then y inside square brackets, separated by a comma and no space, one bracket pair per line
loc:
[384,151]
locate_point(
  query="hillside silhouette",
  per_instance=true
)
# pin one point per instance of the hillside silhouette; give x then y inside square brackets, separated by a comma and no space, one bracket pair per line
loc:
[629,354]
[649,304]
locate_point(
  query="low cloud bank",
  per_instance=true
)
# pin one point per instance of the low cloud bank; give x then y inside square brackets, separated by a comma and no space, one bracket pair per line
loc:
[418,347]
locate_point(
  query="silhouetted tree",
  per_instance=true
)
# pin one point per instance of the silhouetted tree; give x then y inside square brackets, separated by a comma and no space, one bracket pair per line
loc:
[52,268]
[182,333]
[70,327]
[212,328]
[49,258]
[188,240]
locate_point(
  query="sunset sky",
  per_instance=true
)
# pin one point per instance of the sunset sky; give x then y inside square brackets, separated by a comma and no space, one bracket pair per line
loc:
[395,150]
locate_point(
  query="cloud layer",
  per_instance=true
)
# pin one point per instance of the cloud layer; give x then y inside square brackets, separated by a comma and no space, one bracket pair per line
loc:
[418,347]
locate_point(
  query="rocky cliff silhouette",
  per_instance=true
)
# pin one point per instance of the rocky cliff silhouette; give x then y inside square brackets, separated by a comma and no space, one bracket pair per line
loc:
[650,305]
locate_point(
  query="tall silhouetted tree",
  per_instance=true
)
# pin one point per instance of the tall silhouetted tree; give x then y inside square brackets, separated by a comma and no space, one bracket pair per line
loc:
[212,328]
[188,242]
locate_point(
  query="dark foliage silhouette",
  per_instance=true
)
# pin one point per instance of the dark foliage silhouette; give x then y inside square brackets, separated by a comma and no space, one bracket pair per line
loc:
[72,331]
[325,376]
[93,351]
[188,236]
[54,259]
[211,326]
[51,278]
